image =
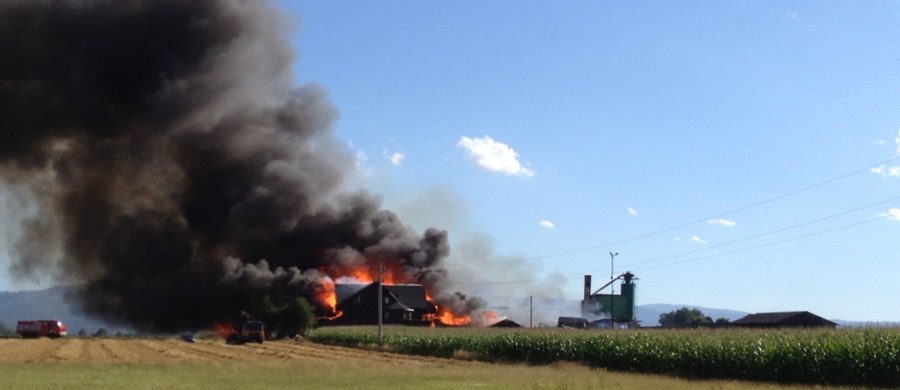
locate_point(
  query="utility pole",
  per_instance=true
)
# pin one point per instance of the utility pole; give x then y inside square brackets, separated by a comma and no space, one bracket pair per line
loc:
[531,311]
[380,301]
[612,294]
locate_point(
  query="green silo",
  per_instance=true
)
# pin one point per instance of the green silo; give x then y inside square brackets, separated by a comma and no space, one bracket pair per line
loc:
[620,305]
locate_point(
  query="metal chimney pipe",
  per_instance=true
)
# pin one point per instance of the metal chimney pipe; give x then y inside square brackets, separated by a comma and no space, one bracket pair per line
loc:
[587,287]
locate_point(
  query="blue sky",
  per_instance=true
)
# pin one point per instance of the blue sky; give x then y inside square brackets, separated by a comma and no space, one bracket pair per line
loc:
[739,155]
[612,121]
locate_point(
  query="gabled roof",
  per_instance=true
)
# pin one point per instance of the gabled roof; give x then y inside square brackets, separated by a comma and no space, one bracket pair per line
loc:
[505,323]
[407,297]
[410,295]
[343,291]
[787,318]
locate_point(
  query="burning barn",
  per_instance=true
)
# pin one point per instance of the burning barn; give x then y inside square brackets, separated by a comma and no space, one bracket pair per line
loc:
[401,304]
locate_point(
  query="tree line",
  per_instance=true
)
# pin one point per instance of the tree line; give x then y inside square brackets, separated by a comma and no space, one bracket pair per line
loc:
[690,318]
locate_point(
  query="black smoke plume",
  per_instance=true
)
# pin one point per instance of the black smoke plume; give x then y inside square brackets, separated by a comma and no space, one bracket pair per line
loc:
[176,168]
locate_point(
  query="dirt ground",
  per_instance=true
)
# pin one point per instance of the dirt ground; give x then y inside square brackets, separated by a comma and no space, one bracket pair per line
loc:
[174,350]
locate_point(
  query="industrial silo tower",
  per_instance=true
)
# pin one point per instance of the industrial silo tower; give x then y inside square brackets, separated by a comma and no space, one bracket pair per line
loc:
[610,309]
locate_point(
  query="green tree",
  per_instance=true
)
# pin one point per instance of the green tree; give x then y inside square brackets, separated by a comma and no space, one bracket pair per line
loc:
[722,322]
[294,317]
[684,318]
[299,316]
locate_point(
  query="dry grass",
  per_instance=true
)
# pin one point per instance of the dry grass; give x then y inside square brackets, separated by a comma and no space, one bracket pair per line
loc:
[174,364]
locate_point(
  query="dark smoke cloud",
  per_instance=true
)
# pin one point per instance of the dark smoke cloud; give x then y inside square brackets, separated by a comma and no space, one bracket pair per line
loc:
[176,168]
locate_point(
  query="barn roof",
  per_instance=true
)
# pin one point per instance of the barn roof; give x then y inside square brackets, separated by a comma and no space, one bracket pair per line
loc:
[410,295]
[787,318]
[343,291]
[505,323]
[405,296]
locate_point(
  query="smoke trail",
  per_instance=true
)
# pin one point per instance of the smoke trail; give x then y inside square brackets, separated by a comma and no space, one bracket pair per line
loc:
[176,169]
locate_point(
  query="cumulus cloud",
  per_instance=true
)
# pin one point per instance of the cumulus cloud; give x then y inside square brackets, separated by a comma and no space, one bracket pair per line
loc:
[722,222]
[494,156]
[632,212]
[547,224]
[699,240]
[892,214]
[885,171]
[395,158]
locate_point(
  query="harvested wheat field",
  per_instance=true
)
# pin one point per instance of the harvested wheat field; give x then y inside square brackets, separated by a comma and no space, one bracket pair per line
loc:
[101,363]
[174,351]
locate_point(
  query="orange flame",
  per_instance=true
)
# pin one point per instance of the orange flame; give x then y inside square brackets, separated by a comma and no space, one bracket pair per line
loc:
[223,330]
[366,276]
[325,294]
[447,317]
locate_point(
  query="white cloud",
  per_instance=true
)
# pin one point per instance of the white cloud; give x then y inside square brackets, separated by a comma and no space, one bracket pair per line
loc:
[494,156]
[722,222]
[892,214]
[887,171]
[897,141]
[395,158]
[547,224]
[699,240]
[792,14]
[632,212]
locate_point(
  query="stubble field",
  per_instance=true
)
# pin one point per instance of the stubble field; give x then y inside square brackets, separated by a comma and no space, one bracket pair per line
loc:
[97,363]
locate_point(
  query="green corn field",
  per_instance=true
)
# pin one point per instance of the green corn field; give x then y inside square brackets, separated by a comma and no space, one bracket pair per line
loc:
[858,357]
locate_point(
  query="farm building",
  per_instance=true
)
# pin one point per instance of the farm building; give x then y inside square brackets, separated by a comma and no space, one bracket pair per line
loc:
[790,319]
[505,323]
[403,304]
[615,308]
[572,322]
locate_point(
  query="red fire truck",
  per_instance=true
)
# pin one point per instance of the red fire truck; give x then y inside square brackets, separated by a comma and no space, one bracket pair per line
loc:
[41,328]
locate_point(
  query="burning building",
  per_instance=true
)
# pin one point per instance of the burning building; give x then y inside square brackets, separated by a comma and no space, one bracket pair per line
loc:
[173,171]
[405,304]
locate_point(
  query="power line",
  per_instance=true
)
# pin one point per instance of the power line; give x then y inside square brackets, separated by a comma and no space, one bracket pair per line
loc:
[701,220]
[769,233]
[736,251]
[770,244]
